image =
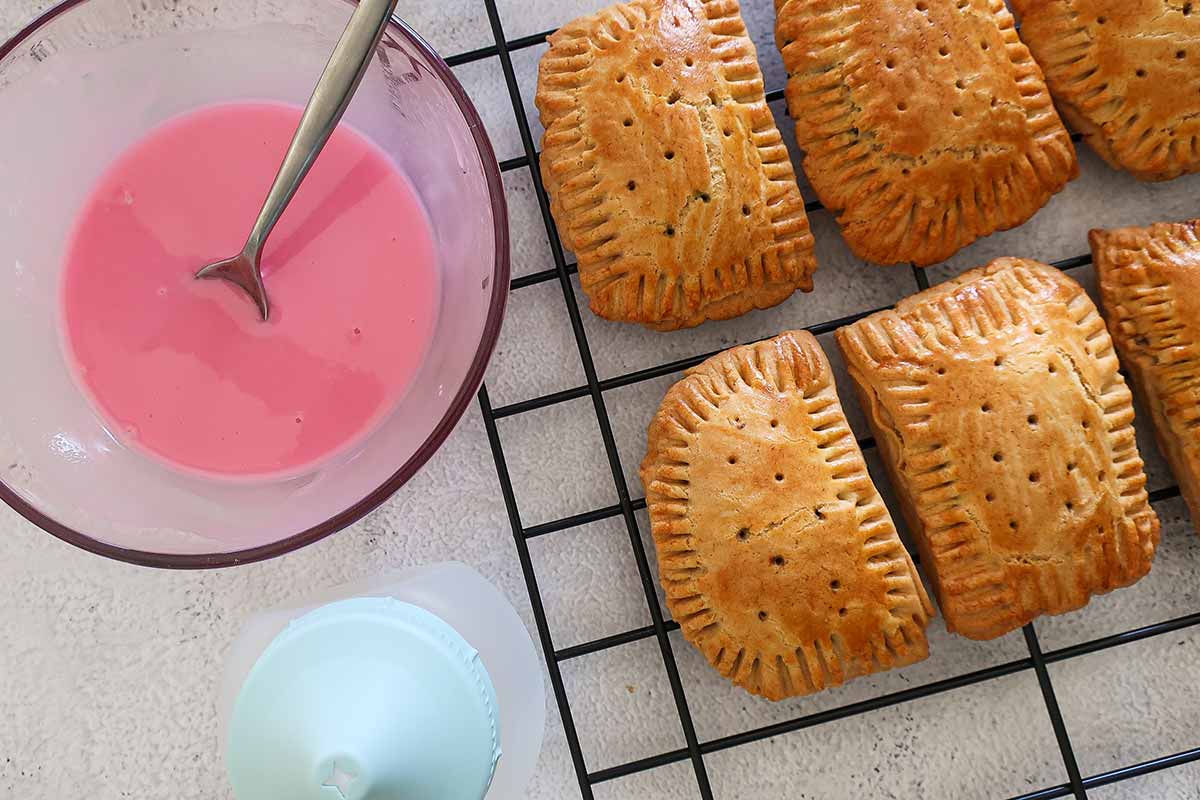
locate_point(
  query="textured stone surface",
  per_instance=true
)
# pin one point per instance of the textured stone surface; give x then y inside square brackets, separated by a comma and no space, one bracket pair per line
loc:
[108,673]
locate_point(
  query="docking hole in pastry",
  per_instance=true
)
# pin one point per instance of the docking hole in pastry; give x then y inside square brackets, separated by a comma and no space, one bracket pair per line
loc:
[1007,428]
[925,125]
[779,559]
[1150,289]
[1126,74]
[666,174]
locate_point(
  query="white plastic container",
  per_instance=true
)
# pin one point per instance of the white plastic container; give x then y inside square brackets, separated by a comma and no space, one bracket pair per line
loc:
[303,708]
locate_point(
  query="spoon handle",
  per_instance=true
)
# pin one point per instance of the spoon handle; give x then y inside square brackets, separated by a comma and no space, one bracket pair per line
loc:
[329,100]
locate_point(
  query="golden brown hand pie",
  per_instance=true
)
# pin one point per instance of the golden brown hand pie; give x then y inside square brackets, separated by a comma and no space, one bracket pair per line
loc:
[925,124]
[1008,431]
[666,173]
[1126,74]
[1150,286]
[779,560]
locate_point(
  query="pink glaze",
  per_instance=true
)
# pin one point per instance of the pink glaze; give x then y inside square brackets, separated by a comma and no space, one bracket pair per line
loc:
[183,369]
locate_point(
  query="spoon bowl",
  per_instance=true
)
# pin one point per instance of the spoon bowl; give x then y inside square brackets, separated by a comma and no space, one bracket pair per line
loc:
[245,272]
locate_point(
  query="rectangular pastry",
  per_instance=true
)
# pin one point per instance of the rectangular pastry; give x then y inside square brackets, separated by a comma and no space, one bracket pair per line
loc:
[1126,74]
[1150,288]
[666,174]
[925,125]
[1008,431]
[779,559]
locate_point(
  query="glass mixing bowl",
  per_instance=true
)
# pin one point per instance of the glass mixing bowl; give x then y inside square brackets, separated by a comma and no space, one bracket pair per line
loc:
[89,78]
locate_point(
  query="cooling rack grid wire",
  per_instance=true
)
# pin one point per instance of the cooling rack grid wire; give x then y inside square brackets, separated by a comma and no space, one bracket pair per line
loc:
[595,390]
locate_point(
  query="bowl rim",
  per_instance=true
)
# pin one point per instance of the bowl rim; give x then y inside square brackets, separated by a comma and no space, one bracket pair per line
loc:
[500,278]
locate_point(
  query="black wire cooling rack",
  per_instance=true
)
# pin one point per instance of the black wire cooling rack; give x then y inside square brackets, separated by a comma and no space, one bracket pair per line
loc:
[695,750]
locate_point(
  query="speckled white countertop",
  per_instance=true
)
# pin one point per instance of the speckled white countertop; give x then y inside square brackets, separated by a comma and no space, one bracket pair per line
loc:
[108,672]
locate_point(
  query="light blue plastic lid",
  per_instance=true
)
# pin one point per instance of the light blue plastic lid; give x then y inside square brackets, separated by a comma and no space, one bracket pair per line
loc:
[365,699]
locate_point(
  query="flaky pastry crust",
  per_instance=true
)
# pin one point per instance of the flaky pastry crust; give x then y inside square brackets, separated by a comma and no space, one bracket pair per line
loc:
[925,125]
[1008,431]
[666,174]
[1126,74]
[1150,288]
[779,559]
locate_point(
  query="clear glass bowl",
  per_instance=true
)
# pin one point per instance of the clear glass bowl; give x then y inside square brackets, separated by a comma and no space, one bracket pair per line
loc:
[89,78]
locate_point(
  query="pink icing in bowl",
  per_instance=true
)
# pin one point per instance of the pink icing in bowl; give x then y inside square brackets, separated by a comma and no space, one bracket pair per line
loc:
[87,81]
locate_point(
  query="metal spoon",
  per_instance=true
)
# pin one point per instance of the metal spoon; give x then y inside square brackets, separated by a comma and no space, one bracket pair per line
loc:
[325,108]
